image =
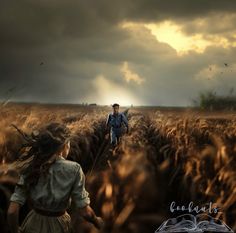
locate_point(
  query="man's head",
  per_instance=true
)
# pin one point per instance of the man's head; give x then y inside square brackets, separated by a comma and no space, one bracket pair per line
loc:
[116,108]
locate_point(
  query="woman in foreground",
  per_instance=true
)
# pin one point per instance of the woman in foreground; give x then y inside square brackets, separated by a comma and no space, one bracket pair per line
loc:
[51,184]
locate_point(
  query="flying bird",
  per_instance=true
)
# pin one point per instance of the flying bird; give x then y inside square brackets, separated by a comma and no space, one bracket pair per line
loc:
[226,64]
[11,89]
[231,90]
[41,63]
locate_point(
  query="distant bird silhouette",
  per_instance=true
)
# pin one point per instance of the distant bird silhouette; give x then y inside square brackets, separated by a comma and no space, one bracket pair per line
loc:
[11,89]
[226,64]
[231,91]
[41,63]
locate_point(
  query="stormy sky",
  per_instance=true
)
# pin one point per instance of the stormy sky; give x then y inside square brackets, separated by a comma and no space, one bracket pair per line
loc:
[141,52]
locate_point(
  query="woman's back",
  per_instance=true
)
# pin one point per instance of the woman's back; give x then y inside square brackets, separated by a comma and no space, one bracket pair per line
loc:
[49,181]
[64,180]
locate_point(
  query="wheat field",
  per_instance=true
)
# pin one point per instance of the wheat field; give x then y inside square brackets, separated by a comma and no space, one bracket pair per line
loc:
[169,155]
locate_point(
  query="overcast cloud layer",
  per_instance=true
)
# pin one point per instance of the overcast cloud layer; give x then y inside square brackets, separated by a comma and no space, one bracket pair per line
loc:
[104,51]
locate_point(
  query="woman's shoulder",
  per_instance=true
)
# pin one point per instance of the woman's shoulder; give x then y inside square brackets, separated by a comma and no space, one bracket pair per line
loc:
[68,165]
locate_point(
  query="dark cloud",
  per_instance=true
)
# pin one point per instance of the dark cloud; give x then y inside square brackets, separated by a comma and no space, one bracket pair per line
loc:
[78,40]
[29,22]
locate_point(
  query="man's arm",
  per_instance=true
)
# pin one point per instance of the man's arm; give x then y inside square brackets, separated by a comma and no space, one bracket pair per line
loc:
[125,120]
[13,217]
[108,123]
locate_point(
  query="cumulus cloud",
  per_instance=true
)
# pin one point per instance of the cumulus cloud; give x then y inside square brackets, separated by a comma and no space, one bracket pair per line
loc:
[129,75]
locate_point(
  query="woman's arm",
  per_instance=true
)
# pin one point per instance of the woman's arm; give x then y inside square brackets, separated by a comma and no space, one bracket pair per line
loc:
[81,200]
[18,198]
[88,214]
[13,216]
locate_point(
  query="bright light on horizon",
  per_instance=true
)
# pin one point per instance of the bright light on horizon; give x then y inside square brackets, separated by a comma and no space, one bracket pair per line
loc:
[108,92]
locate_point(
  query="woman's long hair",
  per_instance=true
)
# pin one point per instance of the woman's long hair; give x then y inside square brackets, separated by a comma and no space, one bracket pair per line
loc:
[41,151]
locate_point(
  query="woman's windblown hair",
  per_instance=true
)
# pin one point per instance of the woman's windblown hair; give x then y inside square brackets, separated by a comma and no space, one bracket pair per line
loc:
[41,150]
